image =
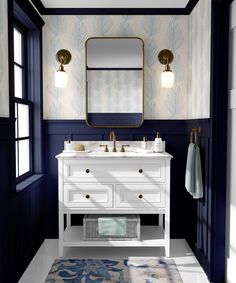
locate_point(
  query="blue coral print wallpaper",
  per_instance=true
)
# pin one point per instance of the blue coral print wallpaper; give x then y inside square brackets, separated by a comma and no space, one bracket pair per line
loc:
[199,60]
[4,92]
[157,32]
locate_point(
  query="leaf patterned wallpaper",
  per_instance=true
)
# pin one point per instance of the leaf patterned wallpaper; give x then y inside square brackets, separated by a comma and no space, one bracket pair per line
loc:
[187,36]
[107,88]
[157,32]
[199,60]
[4,92]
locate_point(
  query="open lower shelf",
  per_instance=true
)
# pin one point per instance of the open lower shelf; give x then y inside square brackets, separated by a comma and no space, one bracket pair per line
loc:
[151,236]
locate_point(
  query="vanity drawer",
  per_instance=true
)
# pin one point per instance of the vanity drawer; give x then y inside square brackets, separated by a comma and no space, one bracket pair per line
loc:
[93,170]
[88,195]
[140,195]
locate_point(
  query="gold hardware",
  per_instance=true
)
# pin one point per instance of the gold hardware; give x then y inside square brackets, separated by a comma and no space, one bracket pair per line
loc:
[140,196]
[140,170]
[123,147]
[195,133]
[106,147]
[87,170]
[113,138]
[63,56]
[87,196]
[86,87]
[165,57]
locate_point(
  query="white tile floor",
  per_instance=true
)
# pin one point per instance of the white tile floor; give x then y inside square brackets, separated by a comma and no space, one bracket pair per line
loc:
[188,266]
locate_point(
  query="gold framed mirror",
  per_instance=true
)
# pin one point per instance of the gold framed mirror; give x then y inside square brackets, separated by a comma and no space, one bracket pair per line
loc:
[114,82]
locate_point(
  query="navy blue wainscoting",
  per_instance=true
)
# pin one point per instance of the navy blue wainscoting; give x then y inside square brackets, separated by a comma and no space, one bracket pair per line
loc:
[190,219]
[21,214]
[204,229]
[7,243]
[173,132]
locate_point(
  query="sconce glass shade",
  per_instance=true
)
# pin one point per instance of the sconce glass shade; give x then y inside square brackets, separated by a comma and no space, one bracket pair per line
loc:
[61,79]
[167,79]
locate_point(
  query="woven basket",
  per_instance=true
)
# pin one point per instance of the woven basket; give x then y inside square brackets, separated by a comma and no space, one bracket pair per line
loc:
[90,228]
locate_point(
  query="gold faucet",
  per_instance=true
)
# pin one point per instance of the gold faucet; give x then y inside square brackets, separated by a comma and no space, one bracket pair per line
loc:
[113,138]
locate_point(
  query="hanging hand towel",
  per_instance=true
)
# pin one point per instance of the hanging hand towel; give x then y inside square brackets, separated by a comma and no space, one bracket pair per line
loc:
[198,187]
[193,175]
[190,170]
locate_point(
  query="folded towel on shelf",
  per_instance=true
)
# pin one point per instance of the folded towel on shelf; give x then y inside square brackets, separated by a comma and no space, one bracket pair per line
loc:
[112,226]
[193,175]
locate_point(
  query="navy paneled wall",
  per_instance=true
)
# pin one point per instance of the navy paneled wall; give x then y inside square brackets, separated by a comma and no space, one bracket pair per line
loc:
[21,214]
[204,229]
[176,135]
[7,243]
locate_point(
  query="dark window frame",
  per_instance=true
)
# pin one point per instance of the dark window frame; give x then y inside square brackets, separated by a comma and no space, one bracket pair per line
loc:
[24,101]
[23,16]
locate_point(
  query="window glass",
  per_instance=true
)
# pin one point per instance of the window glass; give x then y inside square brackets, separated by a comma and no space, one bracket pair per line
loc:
[17,46]
[23,157]
[16,120]
[23,120]
[17,160]
[18,81]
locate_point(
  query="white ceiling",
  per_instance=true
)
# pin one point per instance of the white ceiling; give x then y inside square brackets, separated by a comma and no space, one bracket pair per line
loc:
[115,3]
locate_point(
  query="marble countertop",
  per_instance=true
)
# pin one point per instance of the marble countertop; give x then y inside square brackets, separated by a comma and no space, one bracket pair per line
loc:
[93,150]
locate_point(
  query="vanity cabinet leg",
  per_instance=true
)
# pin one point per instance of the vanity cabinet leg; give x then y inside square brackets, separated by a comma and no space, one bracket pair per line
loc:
[167,210]
[167,248]
[160,220]
[61,232]
[68,219]
[60,249]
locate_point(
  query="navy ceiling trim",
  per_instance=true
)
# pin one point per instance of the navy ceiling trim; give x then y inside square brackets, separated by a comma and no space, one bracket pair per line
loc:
[29,13]
[190,6]
[115,11]
[39,5]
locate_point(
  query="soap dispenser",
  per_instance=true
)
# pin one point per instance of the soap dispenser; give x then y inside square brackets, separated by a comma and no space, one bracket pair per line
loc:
[67,145]
[158,145]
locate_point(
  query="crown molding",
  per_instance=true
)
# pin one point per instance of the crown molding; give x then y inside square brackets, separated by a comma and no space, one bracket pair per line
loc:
[114,11]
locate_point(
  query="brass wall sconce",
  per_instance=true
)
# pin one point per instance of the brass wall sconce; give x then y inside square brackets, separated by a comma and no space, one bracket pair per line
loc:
[165,57]
[63,57]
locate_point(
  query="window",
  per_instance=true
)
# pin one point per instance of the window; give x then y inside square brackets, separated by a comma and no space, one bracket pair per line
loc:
[23,107]
[25,71]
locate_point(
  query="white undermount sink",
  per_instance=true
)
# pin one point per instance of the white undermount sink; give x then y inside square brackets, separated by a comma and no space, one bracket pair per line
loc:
[111,154]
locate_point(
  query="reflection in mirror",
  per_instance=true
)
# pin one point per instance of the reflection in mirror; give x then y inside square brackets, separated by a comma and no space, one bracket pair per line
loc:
[114,82]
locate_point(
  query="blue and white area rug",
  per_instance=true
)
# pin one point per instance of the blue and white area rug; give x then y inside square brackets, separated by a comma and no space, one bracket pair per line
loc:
[132,270]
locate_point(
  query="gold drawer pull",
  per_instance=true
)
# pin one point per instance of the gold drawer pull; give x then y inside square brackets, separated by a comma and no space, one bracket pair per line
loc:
[140,196]
[87,196]
[87,170]
[140,170]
